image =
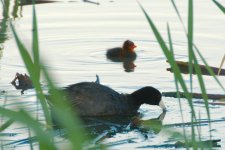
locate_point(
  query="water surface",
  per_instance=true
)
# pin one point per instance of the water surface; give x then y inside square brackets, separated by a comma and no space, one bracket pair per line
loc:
[74,37]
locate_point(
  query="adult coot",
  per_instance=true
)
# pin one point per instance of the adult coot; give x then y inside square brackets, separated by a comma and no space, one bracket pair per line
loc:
[94,99]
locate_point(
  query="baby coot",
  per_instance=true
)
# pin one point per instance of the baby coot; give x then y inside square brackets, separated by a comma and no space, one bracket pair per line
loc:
[124,54]
[126,51]
[24,82]
[94,99]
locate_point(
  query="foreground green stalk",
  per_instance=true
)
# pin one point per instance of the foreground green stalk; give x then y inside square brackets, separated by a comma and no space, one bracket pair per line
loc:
[67,119]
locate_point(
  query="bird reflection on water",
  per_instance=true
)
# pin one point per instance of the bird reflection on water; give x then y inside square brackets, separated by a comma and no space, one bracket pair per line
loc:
[101,128]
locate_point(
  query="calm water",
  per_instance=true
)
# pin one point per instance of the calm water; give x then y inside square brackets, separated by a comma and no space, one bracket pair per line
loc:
[74,37]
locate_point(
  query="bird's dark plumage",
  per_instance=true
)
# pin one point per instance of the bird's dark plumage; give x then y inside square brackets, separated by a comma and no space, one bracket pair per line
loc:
[125,54]
[120,53]
[94,99]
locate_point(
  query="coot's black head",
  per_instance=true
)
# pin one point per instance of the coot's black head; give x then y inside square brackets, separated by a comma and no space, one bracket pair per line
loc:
[129,45]
[148,95]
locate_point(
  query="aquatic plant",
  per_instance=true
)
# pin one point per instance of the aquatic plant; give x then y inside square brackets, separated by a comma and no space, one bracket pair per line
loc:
[192,57]
[44,133]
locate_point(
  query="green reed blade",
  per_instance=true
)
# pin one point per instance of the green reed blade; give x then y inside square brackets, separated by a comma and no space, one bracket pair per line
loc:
[30,143]
[176,84]
[201,146]
[169,56]
[190,41]
[23,52]
[190,62]
[221,64]
[35,47]
[172,54]
[173,64]
[204,95]
[34,77]
[35,44]
[65,114]
[179,16]
[6,5]
[42,136]
[15,9]
[208,68]
[202,85]
[219,5]
[195,47]
[75,133]
[6,125]
[197,66]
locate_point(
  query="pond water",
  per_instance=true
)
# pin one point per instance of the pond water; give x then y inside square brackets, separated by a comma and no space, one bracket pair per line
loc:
[74,37]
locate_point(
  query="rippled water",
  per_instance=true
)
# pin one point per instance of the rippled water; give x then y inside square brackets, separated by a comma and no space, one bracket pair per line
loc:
[74,37]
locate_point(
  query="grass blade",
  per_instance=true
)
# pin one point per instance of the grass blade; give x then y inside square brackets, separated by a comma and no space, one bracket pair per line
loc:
[6,125]
[30,143]
[208,68]
[169,56]
[176,85]
[5,5]
[68,118]
[35,44]
[24,53]
[190,41]
[219,6]
[196,48]
[190,62]
[204,95]
[42,136]
[32,71]
[35,48]
[179,16]
[191,52]
[221,65]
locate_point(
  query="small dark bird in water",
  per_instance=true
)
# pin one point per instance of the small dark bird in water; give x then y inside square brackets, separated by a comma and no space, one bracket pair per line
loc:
[126,51]
[124,54]
[95,99]
[24,82]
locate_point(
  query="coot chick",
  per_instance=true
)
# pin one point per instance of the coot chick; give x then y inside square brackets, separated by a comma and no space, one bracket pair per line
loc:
[24,82]
[119,53]
[94,99]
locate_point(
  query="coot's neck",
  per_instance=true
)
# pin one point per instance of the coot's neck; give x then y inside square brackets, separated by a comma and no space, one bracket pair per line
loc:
[134,100]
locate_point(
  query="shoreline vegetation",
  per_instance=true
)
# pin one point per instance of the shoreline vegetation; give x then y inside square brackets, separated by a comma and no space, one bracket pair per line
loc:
[192,66]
